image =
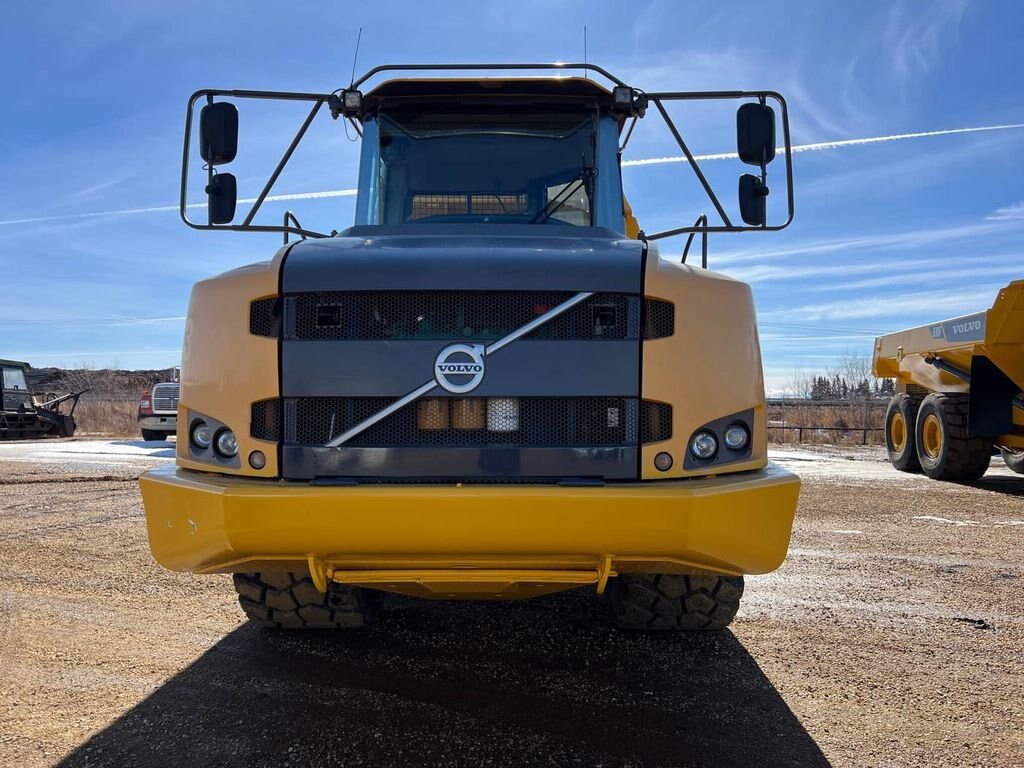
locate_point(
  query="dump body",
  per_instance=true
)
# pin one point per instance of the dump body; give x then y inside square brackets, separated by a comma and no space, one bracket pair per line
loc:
[981,355]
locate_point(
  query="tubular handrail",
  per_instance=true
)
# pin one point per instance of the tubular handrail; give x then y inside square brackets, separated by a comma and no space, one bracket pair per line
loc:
[702,220]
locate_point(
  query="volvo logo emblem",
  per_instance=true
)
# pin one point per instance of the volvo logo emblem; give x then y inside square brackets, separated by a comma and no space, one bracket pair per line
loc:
[459,368]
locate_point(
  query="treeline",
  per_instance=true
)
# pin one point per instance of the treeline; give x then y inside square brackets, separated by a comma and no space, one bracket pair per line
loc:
[837,387]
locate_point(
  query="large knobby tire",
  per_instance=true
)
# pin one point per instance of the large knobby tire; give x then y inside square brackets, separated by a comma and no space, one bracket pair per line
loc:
[672,601]
[900,432]
[150,435]
[292,601]
[945,449]
[1014,459]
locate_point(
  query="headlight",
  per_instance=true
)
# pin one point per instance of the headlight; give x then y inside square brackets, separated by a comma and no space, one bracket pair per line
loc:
[227,445]
[736,437]
[704,445]
[202,435]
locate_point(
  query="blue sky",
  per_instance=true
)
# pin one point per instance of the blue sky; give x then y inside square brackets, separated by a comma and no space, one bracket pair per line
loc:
[887,235]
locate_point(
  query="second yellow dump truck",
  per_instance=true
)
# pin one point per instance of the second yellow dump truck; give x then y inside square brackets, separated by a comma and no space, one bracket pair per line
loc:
[491,385]
[958,400]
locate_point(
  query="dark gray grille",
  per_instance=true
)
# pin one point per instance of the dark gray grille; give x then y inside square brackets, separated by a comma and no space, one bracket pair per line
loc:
[659,318]
[454,422]
[655,422]
[264,317]
[315,421]
[266,420]
[462,315]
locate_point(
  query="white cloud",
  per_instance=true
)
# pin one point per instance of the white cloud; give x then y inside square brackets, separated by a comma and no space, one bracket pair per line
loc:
[940,303]
[1013,212]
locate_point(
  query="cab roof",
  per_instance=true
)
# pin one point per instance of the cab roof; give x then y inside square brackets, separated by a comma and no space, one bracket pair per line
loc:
[490,90]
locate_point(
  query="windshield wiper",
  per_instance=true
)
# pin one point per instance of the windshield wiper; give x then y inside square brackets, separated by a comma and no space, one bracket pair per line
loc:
[584,177]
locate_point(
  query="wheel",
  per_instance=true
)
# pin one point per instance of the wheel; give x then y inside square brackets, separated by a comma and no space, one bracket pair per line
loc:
[900,423]
[1014,458]
[672,601]
[945,449]
[150,435]
[292,601]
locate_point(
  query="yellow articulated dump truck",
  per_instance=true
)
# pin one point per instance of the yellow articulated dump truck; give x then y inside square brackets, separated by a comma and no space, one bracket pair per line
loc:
[958,391]
[491,385]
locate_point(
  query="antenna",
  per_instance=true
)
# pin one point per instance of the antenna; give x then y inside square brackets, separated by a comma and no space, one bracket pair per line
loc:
[355,57]
[586,72]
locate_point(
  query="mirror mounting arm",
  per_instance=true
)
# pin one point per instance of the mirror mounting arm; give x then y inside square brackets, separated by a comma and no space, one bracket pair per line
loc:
[702,221]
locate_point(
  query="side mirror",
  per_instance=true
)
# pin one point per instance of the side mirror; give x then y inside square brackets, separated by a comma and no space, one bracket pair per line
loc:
[218,133]
[755,133]
[222,194]
[753,200]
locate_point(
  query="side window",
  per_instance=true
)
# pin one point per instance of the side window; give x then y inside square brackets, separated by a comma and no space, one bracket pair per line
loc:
[14,378]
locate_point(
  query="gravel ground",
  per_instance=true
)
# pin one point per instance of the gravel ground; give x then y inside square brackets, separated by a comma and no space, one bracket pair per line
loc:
[893,635]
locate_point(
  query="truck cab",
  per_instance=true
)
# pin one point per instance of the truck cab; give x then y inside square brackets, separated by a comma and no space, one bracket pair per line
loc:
[491,385]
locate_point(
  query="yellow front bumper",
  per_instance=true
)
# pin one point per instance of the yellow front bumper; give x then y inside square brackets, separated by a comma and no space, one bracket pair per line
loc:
[481,540]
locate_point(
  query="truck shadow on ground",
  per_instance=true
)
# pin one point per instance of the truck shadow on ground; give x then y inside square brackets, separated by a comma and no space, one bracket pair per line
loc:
[1008,485]
[541,682]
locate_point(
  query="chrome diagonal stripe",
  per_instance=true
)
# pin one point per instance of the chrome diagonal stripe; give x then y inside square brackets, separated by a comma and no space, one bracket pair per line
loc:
[430,385]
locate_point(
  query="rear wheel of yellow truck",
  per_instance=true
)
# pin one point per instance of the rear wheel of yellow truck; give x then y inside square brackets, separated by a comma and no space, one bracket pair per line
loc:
[900,429]
[945,448]
[673,601]
[291,601]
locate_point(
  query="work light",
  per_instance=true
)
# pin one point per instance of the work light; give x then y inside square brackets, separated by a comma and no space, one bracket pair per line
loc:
[736,437]
[227,445]
[704,445]
[202,435]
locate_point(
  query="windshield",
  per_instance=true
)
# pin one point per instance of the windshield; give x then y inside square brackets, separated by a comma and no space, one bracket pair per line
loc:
[14,378]
[450,167]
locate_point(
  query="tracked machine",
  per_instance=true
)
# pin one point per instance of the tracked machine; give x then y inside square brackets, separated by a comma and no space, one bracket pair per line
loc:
[959,388]
[491,385]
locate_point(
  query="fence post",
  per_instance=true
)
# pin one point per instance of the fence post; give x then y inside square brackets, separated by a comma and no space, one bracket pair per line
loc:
[800,435]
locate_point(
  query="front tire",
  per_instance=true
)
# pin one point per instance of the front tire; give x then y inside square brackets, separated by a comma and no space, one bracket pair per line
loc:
[671,601]
[945,448]
[288,600]
[900,429]
[150,435]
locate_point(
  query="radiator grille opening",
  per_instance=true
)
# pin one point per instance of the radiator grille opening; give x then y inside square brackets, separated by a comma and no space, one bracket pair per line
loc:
[264,317]
[457,315]
[659,318]
[655,422]
[265,420]
[472,421]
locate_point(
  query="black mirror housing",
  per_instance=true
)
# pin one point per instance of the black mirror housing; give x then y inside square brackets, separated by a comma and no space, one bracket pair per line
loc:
[755,133]
[753,200]
[218,133]
[222,194]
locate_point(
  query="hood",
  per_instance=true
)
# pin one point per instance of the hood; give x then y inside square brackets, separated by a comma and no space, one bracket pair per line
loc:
[467,257]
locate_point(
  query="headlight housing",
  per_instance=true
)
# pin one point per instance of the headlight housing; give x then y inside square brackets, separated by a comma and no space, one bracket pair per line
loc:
[704,445]
[736,437]
[202,435]
[226,445]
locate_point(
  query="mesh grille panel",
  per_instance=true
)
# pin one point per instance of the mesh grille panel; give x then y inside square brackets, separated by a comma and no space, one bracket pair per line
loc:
[463,315]
[659,318]
[266,415]
[455,422]
[655,422]
[424,206]
[263,317]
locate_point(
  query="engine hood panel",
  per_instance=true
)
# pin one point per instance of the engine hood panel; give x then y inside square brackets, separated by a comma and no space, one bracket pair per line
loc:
[467,257]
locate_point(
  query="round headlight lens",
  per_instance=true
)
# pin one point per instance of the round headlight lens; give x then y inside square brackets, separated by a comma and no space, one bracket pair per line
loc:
[227,445]
[736,437]
[202,435]
[704,445]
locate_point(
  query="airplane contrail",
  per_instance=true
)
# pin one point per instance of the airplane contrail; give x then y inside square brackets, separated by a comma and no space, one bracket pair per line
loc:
[823,145]
[828,144]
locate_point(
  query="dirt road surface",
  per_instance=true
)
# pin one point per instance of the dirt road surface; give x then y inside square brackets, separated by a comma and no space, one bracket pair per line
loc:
[892,636]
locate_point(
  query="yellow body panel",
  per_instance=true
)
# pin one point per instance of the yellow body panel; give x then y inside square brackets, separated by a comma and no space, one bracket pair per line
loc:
[470,540]
[224,367]
[902,355]
[710,367]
